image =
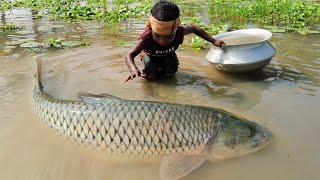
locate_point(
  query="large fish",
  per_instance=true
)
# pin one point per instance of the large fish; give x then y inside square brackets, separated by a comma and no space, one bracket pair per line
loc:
[184,135]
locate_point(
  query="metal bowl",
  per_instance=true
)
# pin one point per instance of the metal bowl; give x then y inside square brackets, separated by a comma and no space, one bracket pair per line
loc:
[245,50]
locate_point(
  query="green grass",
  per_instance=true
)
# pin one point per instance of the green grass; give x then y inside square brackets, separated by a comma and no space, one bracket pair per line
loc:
[292,13]
[295,14]
[215,16]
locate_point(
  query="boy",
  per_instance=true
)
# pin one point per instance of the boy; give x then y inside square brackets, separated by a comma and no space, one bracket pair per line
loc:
[158,42]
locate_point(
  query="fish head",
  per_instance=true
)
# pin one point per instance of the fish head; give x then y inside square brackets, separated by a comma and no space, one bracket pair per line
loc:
[238,137]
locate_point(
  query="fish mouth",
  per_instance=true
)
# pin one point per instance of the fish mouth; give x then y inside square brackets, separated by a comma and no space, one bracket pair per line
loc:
[262,137]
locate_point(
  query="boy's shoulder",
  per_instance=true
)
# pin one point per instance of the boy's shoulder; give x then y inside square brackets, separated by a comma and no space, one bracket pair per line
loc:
[146,35]
[181,29]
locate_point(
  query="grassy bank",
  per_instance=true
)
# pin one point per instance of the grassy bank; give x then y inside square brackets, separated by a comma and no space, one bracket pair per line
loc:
[291,15]
[216,16]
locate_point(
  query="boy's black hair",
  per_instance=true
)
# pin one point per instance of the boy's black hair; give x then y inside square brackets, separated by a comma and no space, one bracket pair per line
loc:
[165,11]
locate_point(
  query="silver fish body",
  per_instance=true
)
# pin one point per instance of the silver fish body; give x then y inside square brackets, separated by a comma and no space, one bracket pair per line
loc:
[184,135]
[129,127]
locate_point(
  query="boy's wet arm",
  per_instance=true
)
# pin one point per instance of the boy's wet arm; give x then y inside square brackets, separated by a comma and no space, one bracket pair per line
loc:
[189,29]
[199,32]
[133,53]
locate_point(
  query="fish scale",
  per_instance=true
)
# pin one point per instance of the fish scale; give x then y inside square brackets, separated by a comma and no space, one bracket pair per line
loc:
[126,126]
[184,135]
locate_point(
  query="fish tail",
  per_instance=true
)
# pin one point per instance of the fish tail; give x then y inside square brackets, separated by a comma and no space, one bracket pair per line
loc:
[38,74]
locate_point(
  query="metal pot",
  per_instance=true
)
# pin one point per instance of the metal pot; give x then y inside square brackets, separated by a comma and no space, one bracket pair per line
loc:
[245,50]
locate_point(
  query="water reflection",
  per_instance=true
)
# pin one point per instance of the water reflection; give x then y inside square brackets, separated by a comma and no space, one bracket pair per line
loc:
[40,31]
[12,83]
[186,80]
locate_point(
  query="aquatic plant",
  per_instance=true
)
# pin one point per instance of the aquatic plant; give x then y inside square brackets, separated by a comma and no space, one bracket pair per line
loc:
[8,28]
[124,12]
[198,43]
[85,42]
[282,13]
[39,15]
[294,13]
[54,43]
[111,28]
[75,12]
[215,16]
[124,44]
[64,44]
[5,5]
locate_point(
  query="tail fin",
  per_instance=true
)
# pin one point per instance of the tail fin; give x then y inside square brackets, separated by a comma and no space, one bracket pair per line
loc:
[38,74]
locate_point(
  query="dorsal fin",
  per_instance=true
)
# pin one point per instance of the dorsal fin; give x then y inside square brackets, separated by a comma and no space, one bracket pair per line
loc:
[109,96]
[38,74]
[96,98]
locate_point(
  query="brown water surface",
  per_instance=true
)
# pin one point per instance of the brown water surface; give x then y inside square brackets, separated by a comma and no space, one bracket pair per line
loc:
[284,97]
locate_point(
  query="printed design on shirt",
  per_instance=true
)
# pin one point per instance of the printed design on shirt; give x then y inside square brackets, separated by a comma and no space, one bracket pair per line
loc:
[167,51]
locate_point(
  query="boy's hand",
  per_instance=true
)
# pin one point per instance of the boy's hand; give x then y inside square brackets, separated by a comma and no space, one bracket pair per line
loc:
[218,43]
[134,73]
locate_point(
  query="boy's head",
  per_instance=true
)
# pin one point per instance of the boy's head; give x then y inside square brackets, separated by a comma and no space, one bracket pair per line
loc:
[164,21]
[165,11]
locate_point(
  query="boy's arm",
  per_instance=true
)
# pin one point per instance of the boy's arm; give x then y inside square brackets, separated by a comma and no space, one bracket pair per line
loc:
[203,34]
[130,60]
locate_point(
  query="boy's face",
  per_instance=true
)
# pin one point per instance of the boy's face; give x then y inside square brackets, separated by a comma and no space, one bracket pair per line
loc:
[163,40]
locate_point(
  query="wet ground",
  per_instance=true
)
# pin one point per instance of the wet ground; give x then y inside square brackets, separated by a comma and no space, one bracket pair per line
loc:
[284,97]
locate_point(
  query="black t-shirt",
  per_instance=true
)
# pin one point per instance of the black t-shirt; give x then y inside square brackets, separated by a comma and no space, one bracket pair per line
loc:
[152,48]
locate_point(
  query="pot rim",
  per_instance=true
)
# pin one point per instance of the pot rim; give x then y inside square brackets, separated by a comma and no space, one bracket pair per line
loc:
[263,34]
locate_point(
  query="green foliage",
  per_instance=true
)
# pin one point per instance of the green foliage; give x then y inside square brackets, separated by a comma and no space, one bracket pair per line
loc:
[198,43]
[124,44]
[54,43]
[292,13]
[8,28]
[5,5]
[111,28]
[91,10]
[123,12]
[75,12]
[85,42]
[215,16]
[36,4]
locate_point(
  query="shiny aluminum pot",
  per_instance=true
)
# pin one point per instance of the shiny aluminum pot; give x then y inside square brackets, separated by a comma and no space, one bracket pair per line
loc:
[245,50]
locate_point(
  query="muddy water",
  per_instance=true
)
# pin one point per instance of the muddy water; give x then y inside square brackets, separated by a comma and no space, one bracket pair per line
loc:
[285,97]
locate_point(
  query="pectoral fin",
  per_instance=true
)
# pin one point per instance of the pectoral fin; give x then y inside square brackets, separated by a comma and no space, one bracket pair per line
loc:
[179,165]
